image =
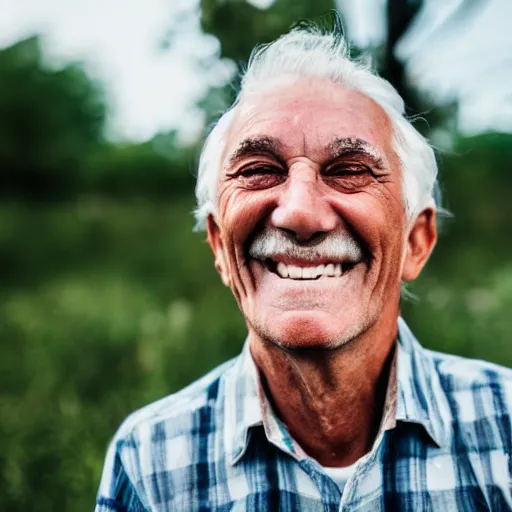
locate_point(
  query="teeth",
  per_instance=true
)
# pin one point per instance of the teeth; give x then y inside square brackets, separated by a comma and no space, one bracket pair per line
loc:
[282,269]
[308,272]
[294,272]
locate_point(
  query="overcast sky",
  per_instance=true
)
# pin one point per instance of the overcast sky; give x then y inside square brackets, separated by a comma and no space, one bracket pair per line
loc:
[152,90]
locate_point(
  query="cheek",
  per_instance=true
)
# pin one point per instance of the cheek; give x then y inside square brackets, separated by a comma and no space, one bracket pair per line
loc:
[389,228]
[376,216]
[240,211]
[238,214]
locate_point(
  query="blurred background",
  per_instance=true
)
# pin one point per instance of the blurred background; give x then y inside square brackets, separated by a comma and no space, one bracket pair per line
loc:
[108,300]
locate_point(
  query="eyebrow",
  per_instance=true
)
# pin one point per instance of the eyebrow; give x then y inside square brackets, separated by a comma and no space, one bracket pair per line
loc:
[339,147]
[346,146]
[256,146]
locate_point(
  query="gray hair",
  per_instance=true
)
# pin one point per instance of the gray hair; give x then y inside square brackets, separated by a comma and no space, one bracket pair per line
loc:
[307,51]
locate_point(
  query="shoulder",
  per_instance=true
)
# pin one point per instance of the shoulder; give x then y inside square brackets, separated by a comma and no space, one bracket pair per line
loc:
[201,393]
[159,438]
[173,419]
[460,373]
[475,390]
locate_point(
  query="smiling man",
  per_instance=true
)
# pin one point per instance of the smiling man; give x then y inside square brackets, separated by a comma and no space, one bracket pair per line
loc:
[317,196]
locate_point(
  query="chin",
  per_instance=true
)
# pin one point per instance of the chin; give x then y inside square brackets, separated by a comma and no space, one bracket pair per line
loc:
[306,330]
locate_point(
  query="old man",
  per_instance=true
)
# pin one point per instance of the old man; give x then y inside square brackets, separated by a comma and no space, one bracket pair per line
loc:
[317,196]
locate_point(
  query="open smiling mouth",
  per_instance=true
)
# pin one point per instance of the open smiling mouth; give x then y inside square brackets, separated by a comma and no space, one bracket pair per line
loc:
[307,271]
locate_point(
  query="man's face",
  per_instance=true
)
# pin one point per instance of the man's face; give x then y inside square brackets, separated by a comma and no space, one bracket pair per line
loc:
[310,231]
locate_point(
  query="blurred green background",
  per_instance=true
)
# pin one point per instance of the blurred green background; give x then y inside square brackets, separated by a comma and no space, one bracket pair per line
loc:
[108,299]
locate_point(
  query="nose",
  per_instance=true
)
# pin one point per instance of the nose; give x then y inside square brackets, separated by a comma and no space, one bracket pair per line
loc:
[302,210]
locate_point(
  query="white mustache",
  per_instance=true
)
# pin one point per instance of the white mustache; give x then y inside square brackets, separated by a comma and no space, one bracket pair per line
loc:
[338,246]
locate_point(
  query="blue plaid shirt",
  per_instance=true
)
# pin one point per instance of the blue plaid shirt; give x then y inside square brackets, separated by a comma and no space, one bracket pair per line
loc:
[217,445]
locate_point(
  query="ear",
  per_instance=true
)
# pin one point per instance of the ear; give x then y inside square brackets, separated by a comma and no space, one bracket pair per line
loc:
[217,246]
[420,244]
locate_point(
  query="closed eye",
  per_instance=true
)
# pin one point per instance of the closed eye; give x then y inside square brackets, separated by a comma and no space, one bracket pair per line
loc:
[258,177]
[348,178]
[258,170]
[347,170]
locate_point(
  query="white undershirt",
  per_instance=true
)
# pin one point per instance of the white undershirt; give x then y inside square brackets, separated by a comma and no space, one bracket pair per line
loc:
[340,475]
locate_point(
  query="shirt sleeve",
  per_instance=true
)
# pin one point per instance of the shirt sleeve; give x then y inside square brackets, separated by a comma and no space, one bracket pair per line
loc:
[117,491]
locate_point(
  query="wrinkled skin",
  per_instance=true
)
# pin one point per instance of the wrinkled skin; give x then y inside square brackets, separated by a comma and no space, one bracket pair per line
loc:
[300,184]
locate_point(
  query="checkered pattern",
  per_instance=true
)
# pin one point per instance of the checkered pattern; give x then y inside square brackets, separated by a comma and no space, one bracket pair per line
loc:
[217,445]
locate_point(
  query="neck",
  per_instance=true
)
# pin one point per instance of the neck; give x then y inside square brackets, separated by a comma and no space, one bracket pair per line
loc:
[330,400]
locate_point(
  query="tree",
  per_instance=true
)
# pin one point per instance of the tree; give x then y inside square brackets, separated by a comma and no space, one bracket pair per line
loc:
[239,26]
[49,119]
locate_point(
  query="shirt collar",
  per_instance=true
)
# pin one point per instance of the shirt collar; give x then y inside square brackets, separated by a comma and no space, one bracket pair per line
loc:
[420,396]
[414,395]
[243,406]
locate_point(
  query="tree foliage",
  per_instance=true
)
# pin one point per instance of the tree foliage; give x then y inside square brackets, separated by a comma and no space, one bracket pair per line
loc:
[52,140]
[49,119]
[239,26]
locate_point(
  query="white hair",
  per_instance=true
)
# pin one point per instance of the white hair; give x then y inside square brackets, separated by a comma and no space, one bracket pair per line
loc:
[310,52]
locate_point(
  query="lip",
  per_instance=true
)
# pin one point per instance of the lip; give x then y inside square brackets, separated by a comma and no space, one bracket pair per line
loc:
[271,263]
[270,266]
[313,262]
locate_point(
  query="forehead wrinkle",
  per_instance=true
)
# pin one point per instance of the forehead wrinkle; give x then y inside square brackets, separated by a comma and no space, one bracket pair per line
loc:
[353,145]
